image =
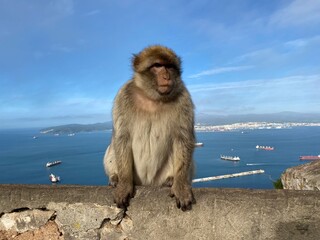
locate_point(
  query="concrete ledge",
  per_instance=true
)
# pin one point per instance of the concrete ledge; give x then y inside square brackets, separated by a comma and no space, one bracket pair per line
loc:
[88,212]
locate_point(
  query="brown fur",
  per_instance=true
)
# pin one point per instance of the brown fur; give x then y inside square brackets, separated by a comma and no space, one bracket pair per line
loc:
[153,133]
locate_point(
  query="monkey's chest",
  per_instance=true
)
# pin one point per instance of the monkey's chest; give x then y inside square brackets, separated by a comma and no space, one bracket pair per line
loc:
[151,148]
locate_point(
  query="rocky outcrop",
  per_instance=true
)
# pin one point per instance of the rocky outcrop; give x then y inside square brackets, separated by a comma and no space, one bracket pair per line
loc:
[302,177]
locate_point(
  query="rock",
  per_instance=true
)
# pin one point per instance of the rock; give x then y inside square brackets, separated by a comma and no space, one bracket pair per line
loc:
[25,220]
[83,220]
[302,177]
[49,231]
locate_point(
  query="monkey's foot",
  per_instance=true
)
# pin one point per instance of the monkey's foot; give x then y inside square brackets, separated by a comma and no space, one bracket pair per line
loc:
[122,194]
[184,196]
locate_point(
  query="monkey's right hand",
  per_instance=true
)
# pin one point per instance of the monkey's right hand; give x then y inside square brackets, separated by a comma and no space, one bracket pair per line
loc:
[122,194]
[183,195]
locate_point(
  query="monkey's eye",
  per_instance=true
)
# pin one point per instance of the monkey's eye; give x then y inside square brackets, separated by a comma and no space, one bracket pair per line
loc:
[170,66]
[157,65]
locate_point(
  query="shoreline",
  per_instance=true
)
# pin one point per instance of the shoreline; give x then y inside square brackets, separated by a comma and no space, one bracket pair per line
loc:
[251,126]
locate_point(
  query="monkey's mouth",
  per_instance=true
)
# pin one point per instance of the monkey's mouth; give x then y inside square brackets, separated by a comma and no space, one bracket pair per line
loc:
[164,89]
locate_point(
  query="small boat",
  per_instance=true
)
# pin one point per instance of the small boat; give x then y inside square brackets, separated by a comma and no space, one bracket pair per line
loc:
[53,178]
[50,164]
[230,158]
[71,134]
[198,144]
[309,157]
[267,148]
[35,137]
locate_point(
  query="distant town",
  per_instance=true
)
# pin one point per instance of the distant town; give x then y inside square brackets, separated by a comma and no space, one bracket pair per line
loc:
[250,126]
[199,127]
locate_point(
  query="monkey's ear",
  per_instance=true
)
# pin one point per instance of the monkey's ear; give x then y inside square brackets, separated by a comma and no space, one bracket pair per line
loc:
[135,61]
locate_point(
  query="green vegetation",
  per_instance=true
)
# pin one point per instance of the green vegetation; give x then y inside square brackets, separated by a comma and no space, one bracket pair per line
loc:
[278,184]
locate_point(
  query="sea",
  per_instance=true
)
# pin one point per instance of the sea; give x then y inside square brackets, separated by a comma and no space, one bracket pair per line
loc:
[25,152]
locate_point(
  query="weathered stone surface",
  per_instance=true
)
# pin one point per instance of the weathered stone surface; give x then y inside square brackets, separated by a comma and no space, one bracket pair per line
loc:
[227,214]
[115,232]
[89,213]
[83,220]
[25,220]
[303,177]
[49,231]
[38,196]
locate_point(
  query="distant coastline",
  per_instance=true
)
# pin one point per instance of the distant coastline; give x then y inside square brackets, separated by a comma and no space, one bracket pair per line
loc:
[251,126]
[77,128]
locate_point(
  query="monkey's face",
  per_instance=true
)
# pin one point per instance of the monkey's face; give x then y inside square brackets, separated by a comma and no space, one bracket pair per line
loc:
[160,81]
[163,76]
[157,73]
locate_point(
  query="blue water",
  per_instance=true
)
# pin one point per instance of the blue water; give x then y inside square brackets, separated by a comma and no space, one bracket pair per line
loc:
[23,159]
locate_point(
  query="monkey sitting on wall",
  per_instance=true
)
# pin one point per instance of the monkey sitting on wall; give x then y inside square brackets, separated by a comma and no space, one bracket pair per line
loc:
[153,130]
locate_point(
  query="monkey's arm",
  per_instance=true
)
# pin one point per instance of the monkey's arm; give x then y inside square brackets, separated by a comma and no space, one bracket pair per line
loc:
[123,154]
[183,146]
[183,168]
[121,142]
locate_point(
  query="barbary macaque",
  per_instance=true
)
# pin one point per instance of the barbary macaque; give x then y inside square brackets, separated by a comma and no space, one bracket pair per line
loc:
[153,130]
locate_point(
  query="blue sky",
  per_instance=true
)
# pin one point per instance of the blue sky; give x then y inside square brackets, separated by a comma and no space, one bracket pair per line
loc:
[63,61]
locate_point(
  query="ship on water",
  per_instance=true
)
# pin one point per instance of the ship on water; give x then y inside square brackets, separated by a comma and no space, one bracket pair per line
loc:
[230,158]
[50,164]
[198,144]
[309,157]
[53,178]
[267,148]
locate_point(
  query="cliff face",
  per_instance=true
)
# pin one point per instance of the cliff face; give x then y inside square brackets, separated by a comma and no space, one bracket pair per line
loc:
[303,177]
[88,212]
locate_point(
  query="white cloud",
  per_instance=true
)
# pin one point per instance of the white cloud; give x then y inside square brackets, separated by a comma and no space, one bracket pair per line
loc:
[275,83]
[215,71]
[292,93]
[297,13]
[302,42]
[62,7]
[61,48]
[281,53]
[265,53]
[296,43]
[93,12]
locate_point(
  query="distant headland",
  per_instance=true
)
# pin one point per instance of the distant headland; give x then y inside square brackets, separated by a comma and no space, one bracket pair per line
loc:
[76,128]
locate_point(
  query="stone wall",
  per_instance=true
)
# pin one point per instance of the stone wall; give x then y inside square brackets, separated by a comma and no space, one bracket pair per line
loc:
[87,212]
[302,177]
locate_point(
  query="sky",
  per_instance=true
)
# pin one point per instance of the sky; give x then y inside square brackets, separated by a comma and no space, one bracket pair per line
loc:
[63,61]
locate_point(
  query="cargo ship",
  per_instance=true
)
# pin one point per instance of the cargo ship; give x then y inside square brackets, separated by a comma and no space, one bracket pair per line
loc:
[309,157]
[229,158]
[50,164]
[267,148]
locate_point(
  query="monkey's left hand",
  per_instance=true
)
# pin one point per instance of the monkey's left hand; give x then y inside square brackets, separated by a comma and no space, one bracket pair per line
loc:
[183,195]
[122,194]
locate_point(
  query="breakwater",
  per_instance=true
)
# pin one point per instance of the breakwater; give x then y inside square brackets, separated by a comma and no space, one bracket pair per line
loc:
[207,179]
